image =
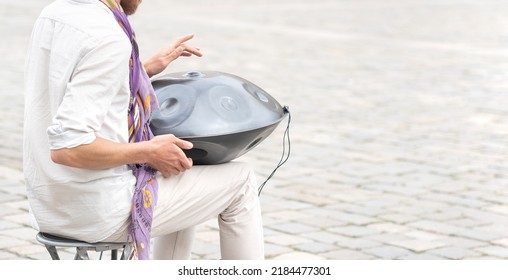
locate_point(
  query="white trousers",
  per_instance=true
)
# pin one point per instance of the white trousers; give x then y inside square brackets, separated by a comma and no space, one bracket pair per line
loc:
[225,191]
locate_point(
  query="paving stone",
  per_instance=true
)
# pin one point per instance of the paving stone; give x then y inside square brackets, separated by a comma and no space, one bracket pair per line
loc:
[21,232]
[409,208]
[6,211]
[27,249]
[315,248]
[354,195]
[486,216]
[436,227]
[424,235]
[19,205]
[4,225]
[499,228]
[272,250]
[501,209]
[20,218]
[388,227]
[4,198]
[311,199]
[208,236]
[371,208]
[386,238]
[322,223]
[213,256]
[286,239]
[387,252]
[289,215]
[355,219]
[211,225]
[443,216]
[423,257]
[417,245]
[455,199]
[293,228]
[454,253]
[495,251]
[327,237]
[348,255]
[8,242]
[354,231]
[14,189]
[468,223]
[269,221]
[462,242]
[204,248]
[298,256]
[400,190]
[359,243]
[398,218]
[501,242]
[482,258]
[63,254]
[479,235]
[5,255]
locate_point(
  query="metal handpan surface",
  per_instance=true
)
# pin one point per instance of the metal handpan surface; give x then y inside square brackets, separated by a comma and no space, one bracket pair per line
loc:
[223,115]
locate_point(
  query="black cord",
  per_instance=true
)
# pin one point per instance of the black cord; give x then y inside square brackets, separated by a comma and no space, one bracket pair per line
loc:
[284,157]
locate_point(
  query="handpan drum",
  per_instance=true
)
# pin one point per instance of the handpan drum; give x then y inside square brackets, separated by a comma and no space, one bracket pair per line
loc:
[223,115]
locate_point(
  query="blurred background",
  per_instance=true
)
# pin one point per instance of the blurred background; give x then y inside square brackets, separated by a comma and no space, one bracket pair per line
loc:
[399,121]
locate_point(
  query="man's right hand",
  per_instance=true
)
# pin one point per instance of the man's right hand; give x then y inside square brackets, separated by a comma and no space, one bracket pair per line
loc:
[165,154]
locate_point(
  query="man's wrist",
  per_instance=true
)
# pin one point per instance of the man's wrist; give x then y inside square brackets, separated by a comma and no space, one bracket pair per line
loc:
[146,67]
[142,152]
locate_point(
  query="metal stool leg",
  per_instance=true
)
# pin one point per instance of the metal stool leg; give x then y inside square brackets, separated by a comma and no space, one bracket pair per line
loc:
[126,252]
[114,254]
[81,254]
[52,252]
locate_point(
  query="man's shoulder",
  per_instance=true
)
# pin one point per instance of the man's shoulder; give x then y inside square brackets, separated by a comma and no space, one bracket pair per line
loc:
[88,17]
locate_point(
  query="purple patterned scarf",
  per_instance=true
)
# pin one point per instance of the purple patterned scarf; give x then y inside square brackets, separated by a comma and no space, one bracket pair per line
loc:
[142,102]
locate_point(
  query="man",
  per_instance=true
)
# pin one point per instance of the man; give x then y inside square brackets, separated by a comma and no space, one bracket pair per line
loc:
[93,170]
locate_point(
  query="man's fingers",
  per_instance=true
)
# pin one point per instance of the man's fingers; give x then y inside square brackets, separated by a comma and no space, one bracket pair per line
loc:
[183,144]
[185,164]
[183,39]
[182,165]
[175,171]
[176,53]
[182,51]
[165,174]
[192,50]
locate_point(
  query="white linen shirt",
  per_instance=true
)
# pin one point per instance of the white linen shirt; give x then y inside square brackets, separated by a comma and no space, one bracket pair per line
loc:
[76,88]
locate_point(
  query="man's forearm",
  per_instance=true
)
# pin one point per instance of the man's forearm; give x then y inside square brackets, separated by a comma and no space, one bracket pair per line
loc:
[101,154]
[163,152]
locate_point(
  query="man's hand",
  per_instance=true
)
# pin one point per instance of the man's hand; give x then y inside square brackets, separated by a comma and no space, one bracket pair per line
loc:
[166,155]
[164,57]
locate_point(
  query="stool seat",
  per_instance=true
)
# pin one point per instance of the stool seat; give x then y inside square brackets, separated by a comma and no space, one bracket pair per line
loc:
[82,248]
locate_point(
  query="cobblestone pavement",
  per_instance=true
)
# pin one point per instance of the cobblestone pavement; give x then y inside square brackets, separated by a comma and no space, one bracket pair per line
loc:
[399,132]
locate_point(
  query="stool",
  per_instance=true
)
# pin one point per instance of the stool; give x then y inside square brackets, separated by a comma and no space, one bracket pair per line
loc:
[82,248]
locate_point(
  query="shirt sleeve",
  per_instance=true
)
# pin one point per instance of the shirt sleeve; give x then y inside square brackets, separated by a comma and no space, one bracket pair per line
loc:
[98,77]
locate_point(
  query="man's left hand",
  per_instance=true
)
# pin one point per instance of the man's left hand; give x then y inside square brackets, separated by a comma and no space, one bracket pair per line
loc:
[164,57]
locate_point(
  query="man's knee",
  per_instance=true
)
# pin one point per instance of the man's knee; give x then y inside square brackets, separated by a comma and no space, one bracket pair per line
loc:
[246,174]
[246,196]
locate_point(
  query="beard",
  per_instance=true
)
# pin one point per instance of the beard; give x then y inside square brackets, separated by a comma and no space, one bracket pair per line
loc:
[130,6]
